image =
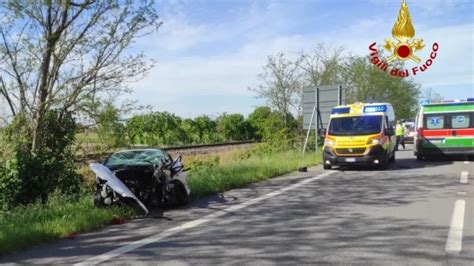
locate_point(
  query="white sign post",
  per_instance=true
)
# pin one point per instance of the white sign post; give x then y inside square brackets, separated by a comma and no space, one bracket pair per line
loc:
[317,105]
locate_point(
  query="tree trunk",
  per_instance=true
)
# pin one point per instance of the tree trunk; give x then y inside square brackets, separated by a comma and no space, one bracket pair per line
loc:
[43,95]
[52,38]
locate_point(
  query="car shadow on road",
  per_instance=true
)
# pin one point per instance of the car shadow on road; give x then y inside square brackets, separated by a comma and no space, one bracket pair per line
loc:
[400,164]
[412,163]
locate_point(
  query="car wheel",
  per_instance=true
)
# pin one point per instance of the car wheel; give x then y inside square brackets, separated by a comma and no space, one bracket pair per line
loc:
[419,157]
[98,201]
[327,166]
[181,195]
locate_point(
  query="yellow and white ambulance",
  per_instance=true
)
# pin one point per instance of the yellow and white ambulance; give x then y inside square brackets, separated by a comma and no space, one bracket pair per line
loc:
[360,134]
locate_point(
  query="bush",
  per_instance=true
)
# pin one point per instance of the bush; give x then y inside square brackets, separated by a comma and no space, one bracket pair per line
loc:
[203,163]
[110,128]
[10,184]
[29,175]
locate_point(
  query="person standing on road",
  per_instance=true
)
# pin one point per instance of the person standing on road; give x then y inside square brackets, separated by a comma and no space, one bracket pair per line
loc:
[400,133]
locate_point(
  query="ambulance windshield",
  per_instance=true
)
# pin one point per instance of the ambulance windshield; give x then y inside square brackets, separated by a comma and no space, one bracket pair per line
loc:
[355,125]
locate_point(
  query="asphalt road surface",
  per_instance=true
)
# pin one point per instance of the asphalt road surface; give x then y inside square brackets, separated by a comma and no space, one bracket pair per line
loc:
[414,213]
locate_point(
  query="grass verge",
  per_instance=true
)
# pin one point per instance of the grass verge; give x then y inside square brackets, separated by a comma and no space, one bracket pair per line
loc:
[37,223]
[30,225]
[231,174]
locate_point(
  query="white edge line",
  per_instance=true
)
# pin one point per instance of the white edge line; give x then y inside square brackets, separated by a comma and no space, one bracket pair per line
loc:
[464,175]
[174,230]
[454,242]
[466,162]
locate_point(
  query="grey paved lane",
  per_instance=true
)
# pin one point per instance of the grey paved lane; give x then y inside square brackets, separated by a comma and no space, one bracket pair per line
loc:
[399,216]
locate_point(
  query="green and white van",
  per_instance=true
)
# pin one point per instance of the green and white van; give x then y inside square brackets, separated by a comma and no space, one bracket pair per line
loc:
[445,128]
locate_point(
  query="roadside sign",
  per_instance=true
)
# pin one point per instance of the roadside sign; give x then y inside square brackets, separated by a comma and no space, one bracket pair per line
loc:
[317,105]
[329,96]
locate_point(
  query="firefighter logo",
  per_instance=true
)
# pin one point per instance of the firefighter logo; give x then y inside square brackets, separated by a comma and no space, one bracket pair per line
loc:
[403,47]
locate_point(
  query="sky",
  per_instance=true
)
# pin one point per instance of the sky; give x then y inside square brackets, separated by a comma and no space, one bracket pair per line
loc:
[209,52]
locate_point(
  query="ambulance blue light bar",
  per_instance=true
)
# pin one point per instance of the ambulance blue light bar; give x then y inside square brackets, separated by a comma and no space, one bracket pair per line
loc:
[340,110]
[424,102]
[375,108]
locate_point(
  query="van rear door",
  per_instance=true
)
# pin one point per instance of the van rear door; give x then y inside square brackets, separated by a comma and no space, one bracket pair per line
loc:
[435,131]
[460,131]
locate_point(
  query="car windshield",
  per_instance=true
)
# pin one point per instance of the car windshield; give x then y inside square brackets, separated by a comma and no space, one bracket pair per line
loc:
[355,125]
[136,157]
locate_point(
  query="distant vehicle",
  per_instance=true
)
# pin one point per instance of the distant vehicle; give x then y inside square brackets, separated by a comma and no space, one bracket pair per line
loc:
[445,128]
[410,130]
[360,134]
[145,177]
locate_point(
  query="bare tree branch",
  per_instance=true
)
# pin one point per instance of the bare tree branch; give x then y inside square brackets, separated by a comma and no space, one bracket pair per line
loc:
[69,51]
[5,94]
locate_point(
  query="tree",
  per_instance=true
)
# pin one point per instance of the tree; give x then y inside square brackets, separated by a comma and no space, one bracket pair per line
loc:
[157,128]
[28,176]
[232,127]
[170,125]
[109,126]
[280,84]
[258,121]
[323,66]
[366,83]
[431,95]
[57,54]
[190,129]
[206,129]
[57,57]
[134,128]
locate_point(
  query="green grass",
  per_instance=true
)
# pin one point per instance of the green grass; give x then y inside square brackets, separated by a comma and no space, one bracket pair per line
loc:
[36,223]
[90,137]
[238,173]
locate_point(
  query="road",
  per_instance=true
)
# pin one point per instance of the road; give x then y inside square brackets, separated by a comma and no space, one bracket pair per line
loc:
[414,213]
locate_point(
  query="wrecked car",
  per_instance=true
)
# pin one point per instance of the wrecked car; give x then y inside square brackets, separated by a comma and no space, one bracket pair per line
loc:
[144,178]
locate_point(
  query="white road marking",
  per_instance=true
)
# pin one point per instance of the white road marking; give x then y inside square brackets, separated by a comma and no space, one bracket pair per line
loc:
[464,175]
[466,162]
[462,193]
[172,231]
[454,242]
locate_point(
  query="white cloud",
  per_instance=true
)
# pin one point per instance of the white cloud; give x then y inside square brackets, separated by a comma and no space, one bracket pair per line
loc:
[179,35]
[454,62]
[233,71]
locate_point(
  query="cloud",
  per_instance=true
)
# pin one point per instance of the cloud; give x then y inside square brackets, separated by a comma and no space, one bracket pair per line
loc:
[179,35]
[454,62]
[222,60]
